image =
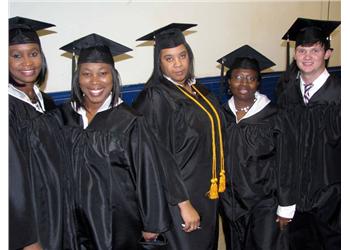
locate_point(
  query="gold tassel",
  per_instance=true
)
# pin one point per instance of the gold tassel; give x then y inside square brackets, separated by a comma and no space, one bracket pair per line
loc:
[222,181]
[213,192]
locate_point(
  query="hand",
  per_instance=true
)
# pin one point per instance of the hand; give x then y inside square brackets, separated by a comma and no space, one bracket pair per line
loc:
[148,236]
[35,246]
[283,222]
[190,216]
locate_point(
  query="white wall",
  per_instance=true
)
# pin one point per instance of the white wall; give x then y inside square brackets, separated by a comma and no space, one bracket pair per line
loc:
[222,27]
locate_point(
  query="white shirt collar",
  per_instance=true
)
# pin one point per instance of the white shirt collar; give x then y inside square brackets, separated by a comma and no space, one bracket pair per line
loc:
[106,105]
[191,82]
[39,106]
[317,83]
[261,102]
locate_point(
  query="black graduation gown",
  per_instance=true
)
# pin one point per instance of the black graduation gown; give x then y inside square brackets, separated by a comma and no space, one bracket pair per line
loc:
[22,226]
[258,177]
[185,130]
[317,129]
[44,173]
[117,175]
[317,132]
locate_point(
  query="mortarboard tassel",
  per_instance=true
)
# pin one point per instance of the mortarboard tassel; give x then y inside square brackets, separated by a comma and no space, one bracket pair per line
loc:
[288,53]
[222,83]
[73,62]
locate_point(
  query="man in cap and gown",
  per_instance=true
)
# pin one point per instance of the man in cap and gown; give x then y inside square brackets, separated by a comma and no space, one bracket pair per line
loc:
[311,96]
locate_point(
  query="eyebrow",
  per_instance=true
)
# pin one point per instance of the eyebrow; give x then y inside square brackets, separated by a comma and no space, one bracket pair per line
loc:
[180,53]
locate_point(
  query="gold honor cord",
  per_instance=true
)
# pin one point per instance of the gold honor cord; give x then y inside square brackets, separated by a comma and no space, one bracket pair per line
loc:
[222,183]
[213,192]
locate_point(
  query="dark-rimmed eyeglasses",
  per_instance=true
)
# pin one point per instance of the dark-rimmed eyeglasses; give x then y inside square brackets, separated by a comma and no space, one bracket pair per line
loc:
[242,78]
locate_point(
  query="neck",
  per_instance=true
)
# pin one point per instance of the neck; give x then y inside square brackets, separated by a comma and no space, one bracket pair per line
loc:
[312,76]
[243,105]
[27,88]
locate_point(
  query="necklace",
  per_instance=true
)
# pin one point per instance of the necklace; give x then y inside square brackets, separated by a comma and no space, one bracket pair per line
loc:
[246,108]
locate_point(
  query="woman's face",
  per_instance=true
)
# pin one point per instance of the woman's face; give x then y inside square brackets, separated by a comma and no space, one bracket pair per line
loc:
[96,82]
[175,62]
[25,62]
[243,84]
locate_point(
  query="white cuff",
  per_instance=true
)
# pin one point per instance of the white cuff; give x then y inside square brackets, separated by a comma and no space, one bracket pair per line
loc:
[286,211]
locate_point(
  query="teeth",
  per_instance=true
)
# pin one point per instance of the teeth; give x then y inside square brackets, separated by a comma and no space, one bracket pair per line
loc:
[96,92]
[28,72]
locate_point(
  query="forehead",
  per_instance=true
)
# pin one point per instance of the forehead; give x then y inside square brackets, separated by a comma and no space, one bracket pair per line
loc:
[92,65]
[173,51]
[244,71]
[24,46]
[311,45]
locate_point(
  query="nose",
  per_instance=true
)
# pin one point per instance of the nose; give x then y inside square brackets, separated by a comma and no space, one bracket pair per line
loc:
[308,54]
[177,62]
[27,61]
[94,79]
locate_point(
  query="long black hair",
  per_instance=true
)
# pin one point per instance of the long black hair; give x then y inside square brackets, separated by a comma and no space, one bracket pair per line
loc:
[78,96]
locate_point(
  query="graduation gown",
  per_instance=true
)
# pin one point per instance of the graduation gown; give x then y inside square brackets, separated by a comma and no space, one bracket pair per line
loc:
[118,190]
[43,172]
[317,146]
[185,130]
[258,176]
[22,226]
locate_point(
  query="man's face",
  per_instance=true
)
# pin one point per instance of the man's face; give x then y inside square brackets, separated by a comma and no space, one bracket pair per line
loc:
[311,59]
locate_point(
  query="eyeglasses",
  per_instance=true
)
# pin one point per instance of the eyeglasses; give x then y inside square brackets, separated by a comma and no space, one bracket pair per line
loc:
[241,78]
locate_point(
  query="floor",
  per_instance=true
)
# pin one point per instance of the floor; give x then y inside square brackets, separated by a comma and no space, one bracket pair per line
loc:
[221,245]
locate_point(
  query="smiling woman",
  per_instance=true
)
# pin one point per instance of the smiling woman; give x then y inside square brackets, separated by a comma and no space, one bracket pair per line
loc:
[96,83]
[31,191]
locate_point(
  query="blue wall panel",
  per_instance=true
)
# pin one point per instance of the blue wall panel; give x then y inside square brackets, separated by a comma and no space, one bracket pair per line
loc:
[130,92]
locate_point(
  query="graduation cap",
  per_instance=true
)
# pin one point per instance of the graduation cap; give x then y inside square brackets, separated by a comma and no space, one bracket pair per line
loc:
[94,48]
[23,30]
[168,36]
[234,59]
[310,31]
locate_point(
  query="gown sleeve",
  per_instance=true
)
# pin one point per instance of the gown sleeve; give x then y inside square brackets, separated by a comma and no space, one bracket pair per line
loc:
[22,225]
[286,159]
[158,115]
[144,159]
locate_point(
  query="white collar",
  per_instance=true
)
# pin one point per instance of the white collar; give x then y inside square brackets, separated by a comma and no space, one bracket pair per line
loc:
[261,102]
[317,83]
[15,92]
[190,82]
[106,105]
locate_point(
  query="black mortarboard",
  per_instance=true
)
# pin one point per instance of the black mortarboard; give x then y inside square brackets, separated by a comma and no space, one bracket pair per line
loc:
[94,48]
[23,30]
[310,31]
[232,59]
[306,30]
[168,36]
